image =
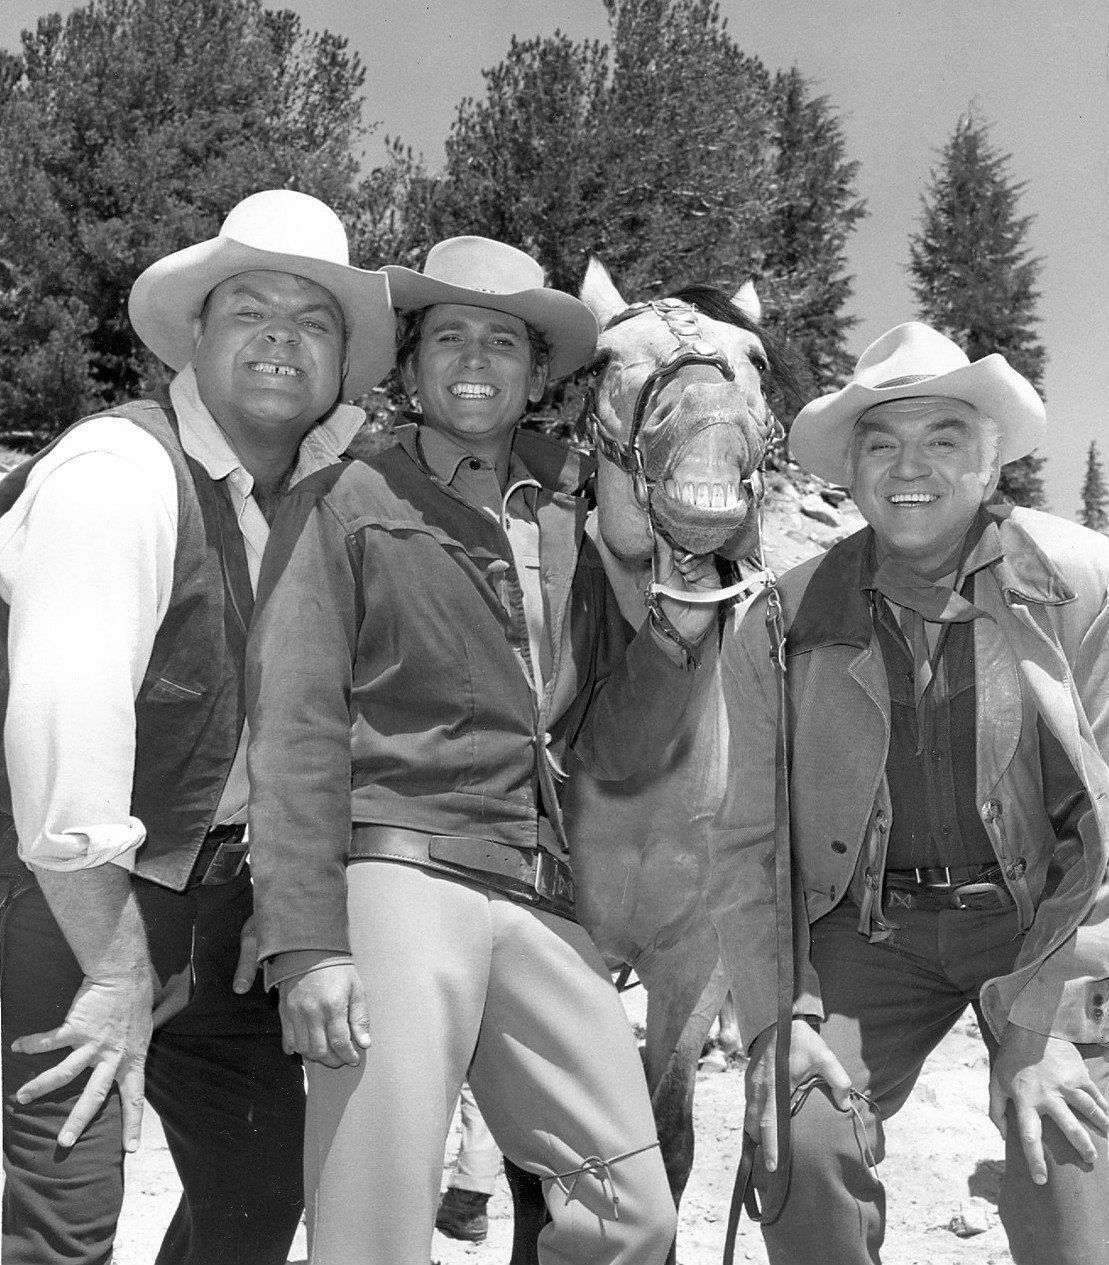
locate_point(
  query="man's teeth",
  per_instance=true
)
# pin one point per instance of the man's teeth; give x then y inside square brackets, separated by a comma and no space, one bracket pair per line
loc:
[717,496]
[282,371]
[912,498]
[472,391]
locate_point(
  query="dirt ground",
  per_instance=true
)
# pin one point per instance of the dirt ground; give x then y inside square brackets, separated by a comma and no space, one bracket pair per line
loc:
[944,1159]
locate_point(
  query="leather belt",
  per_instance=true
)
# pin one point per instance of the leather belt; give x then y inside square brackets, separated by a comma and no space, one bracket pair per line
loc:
[221,857]
[947,887]
[533,876]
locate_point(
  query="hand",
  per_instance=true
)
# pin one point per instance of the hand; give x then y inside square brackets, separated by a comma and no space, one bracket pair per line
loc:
[688,572]
[1045,1076]
[247,966]
[323,1016]
[108,1028]
[809,1056]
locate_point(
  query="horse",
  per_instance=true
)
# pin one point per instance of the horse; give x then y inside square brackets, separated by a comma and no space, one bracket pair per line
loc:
[677,411]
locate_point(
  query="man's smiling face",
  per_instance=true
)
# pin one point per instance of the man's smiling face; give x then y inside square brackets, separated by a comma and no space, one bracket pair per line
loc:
[474,374]
[920,475]
[269,355]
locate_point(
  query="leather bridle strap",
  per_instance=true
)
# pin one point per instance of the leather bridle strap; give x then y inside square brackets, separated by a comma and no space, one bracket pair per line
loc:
[744,1194]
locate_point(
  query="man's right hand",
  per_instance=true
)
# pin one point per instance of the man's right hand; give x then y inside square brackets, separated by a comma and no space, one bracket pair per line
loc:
[108,1029]
[324,1016]
[809,1056]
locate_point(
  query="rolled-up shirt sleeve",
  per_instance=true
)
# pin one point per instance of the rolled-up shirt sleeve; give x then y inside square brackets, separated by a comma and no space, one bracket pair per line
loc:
[86,566]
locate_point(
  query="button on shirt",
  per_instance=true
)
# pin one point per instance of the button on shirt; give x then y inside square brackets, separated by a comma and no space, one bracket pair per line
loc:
[86,566]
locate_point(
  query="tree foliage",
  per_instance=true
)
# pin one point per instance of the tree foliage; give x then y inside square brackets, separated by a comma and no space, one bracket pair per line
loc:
[1095,494]
[128,130]
[670,154]
[973,275]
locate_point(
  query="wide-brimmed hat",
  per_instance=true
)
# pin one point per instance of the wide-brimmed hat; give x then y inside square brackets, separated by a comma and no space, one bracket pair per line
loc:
[277,230]
[478,272]
[914,360]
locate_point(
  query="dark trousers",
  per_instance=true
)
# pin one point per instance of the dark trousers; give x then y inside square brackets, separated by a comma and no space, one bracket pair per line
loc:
[231,1103]
[889,1005]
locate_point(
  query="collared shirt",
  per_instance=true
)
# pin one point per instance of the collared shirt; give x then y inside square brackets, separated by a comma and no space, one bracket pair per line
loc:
[513,509]
[86,565]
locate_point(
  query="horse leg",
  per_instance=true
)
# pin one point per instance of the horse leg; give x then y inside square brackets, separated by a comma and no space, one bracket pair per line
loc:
[728,1036]
[529,1213]
[673,1083]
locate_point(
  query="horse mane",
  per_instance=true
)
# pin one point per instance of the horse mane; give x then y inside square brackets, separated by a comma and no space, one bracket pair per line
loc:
[718,306]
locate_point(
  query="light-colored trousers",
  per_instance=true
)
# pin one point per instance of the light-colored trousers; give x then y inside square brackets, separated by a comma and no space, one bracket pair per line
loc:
[461,982]
[479,1157]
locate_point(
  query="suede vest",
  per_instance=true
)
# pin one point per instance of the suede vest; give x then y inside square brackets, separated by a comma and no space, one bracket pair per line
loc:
[190,706]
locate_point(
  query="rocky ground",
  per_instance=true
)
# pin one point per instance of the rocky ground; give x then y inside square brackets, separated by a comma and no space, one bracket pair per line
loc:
[942,1169]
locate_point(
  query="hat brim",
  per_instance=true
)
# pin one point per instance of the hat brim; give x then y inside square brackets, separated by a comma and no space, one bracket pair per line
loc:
[821,432]
[566,324]
[168,297]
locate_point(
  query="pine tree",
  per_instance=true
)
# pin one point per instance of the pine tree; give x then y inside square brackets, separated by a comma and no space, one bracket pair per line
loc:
[1095,494]
[973,275]
[128,129]
[672,155]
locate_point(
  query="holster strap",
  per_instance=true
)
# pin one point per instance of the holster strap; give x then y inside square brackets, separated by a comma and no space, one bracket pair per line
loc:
[221,857]
[532,876]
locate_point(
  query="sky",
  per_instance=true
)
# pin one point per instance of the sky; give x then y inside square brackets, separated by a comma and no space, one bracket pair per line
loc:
[899,75]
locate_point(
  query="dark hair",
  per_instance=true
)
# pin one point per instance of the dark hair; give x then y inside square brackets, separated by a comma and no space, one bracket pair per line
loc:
[410,328]
[717,306]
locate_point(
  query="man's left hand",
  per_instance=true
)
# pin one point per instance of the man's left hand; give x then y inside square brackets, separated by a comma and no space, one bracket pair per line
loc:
[692,573]
[1045,1076]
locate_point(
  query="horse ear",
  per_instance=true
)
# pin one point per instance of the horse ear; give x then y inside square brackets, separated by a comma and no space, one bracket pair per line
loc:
[747,300]
[599,293]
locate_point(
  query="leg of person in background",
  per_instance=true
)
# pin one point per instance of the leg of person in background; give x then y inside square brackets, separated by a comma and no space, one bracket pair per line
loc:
[463,1209]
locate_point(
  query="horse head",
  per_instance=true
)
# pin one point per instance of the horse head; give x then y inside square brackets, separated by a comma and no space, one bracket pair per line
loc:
[677,410]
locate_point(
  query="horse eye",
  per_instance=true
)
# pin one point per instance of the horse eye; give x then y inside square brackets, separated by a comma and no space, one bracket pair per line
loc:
[599,364]
[760,362]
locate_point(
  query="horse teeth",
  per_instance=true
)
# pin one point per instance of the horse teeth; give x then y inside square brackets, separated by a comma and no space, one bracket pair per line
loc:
[689,494]
[704,496]
[670,487]
[732,495]
[717,497]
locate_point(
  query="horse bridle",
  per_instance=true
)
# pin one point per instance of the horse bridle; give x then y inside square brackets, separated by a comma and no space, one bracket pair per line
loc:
[683,323]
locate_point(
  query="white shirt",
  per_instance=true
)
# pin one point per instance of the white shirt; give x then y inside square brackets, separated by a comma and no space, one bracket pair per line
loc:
[86,565]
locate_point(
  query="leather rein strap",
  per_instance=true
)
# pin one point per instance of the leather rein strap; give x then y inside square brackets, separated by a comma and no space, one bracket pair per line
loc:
[743,1194]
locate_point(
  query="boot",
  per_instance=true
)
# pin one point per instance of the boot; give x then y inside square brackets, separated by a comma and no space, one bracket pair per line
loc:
[462,1215]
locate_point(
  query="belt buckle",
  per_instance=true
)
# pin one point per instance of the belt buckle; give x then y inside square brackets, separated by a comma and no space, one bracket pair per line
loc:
[553,880]
[1001,895]
[226,864]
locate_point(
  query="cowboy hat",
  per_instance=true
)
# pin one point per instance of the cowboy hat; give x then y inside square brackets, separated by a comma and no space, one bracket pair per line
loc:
[478,272]
[277,230]
[915,360]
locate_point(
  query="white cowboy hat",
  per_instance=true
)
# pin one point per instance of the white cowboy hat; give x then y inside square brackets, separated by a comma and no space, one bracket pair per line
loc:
[914,360]
[478,272]
[277,230]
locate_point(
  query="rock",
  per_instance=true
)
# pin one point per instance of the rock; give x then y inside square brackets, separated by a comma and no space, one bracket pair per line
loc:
[815,506]
[971,1219]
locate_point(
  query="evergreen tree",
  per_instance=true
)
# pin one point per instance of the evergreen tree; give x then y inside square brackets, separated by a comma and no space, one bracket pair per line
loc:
[128,130]
[973,275]
[674,157]
[1095,495]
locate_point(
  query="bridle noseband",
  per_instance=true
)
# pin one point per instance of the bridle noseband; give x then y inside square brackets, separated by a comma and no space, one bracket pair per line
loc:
[683,322]
[691,347]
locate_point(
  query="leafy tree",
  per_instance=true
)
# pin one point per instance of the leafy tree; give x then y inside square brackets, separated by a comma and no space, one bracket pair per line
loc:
[1095,495]
[129,131]
[673,156]
[973,275]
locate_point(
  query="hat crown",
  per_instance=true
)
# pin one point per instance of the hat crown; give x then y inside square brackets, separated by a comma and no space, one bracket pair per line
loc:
[911,352]
[286,222]
[478,263]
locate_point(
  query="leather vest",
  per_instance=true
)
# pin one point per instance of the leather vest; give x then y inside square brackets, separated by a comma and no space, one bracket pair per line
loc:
[189,709]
